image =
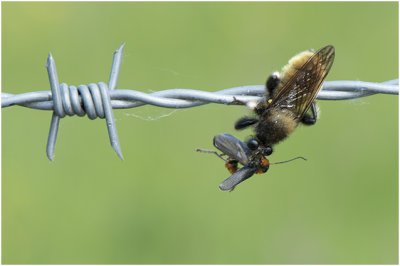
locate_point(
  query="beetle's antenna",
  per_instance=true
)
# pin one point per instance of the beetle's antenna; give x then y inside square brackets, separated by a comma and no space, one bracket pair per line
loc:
[291,160]
[214,152]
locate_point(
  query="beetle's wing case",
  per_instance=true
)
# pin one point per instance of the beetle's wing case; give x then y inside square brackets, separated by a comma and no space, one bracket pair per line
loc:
[244,173]
[233,147]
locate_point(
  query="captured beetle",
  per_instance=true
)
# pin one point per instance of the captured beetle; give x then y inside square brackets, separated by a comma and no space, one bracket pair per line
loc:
[250,155]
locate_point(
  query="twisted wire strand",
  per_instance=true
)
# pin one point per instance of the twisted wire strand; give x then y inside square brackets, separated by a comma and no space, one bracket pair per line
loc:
[98,100]
[185,98]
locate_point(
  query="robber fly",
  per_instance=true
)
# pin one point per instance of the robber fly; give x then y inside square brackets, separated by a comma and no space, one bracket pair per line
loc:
[250,155]
[290,96]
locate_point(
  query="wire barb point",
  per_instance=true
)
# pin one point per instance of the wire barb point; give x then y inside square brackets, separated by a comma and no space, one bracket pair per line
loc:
[93,100]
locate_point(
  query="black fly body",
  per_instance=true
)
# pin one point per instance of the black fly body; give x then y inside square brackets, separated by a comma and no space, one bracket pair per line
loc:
[291,94]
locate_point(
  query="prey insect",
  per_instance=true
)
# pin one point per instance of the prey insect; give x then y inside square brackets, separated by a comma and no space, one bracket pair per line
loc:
[291,94]
[250,155]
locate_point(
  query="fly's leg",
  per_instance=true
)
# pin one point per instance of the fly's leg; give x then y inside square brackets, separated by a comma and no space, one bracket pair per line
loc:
[311,119]
[244,122]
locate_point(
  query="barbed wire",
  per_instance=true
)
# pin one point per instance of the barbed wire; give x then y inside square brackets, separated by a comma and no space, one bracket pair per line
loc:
[98,100]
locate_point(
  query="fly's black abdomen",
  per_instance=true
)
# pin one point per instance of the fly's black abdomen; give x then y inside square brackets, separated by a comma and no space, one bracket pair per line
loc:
[275,128]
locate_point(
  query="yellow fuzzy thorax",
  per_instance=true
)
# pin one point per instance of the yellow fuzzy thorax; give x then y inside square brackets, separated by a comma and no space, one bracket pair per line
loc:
[295,63]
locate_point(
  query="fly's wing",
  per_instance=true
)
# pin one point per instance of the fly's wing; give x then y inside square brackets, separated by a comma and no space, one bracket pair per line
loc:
[233,147]
[244,173]
[302,89]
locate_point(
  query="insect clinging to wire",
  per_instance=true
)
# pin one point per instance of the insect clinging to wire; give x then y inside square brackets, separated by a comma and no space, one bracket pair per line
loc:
[290,95]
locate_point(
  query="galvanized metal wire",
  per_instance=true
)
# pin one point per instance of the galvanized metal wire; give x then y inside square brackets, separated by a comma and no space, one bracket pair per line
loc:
[98,100]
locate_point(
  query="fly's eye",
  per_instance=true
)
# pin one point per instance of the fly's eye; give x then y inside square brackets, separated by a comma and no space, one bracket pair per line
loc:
[252,144]
[267,151]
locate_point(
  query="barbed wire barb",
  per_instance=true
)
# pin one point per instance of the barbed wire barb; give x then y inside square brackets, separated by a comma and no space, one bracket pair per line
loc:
[99,100]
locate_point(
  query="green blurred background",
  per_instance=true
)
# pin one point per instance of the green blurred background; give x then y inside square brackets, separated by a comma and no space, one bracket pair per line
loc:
[162,205]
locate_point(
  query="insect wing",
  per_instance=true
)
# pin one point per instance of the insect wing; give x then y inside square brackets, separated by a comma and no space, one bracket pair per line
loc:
[233,147]
[302,89]
[244,173]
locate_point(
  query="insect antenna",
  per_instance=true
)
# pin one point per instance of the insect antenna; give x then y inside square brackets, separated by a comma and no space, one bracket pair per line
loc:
[290,160]
[214,152]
